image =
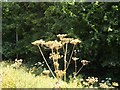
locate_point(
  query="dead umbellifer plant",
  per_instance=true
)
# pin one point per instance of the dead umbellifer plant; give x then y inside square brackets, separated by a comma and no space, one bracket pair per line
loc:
[55,55]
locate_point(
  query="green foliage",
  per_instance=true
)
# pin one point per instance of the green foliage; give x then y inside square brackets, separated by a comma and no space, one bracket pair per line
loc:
[95,23]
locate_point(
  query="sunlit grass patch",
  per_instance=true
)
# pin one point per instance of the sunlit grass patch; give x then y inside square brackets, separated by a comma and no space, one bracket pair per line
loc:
[22,78]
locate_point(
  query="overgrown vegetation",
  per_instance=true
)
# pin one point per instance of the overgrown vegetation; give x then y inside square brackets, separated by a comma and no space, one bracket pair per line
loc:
[22,78]
[94,23]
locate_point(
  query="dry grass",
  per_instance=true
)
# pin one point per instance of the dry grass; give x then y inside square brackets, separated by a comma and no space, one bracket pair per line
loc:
[20,78]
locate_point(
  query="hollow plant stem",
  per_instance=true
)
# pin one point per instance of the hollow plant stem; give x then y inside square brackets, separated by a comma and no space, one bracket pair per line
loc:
[65,62]
[70,57]
[79,70]
[75,67]
[46,61]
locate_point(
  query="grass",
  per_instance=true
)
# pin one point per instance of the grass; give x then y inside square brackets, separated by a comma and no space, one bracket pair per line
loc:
[21,78]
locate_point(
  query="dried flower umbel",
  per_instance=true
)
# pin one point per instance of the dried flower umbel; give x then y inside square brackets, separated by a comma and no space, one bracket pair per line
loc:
[54,46]
[17,63]
[92,80]
[54,56]
[61,35]
[75,58]
[60,74]
[66,40]
[38,42]
[75,41]
[84,62]
[103,85]
[115,84]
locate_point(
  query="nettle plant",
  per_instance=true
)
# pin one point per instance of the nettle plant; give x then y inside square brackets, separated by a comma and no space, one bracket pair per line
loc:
[55,55]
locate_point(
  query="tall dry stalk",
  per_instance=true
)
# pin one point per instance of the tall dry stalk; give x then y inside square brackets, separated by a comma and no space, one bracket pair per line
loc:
[46,61]
[65,61]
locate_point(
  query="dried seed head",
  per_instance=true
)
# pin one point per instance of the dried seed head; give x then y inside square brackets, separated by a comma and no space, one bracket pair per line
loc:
[75,58]
[103,85]
[53,45]
[61,35]
[59,73]
[115,84]
[75,41]
[56,64]
[84,62]
[66,40]
[57,44]
[92,80]
[38,42]
[17,63]
[54,56]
